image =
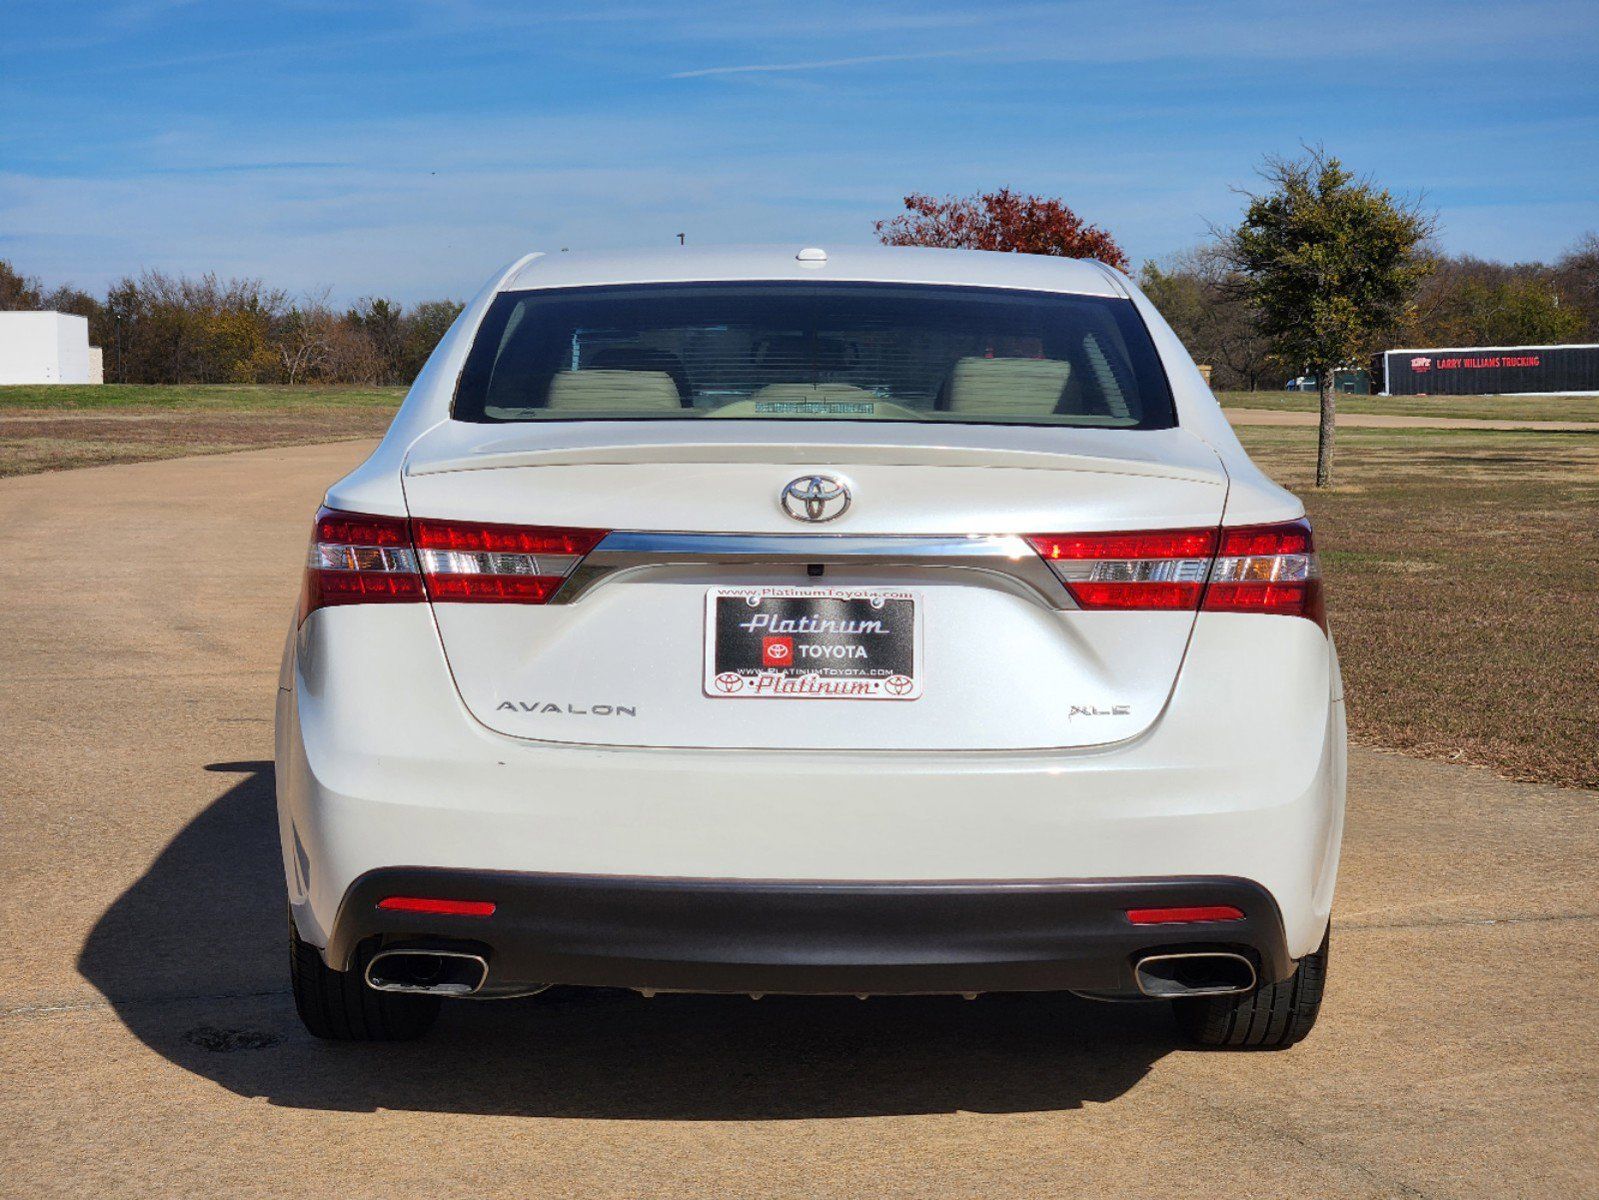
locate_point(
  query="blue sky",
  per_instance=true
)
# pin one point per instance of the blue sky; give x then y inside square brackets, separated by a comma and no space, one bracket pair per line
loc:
[407,147]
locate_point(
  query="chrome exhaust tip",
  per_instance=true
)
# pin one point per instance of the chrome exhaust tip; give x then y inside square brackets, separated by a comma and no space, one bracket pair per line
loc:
[1199,973]
[427,972]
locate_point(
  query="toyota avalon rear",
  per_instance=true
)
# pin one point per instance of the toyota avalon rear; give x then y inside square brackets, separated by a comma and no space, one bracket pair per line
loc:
[879,622]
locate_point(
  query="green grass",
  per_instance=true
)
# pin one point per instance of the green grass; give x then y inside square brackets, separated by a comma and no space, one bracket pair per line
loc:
[1496,408]
[222,397]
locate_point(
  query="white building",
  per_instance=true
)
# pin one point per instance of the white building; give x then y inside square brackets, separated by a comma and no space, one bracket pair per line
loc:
[44,347]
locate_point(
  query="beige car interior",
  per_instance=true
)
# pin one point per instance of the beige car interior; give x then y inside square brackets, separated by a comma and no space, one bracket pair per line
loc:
[593,390]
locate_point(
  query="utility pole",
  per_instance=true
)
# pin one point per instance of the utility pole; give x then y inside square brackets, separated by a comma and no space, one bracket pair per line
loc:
[680,240]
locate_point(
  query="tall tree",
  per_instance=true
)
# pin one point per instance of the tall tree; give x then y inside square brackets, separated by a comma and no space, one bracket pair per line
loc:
[426,324]
[17,291]
[1329,261]
[1577,276]
[384,322]
[1200,302]
[1002,220]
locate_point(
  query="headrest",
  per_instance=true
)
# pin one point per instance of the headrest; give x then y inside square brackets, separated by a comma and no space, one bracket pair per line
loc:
[1007,386]
[617,391]
[640,358]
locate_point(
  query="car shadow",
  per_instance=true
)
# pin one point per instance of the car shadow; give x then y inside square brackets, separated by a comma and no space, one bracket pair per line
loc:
[191,958]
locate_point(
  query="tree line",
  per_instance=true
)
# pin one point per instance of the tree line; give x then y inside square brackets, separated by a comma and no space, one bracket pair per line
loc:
[1325,268]
[162,328]
[1460,300]
[1206,293]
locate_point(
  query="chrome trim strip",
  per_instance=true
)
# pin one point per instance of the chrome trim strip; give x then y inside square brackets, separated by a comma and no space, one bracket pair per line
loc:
[1005,555]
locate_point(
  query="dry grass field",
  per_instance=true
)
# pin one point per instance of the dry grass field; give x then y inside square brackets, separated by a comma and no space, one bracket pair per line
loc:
[1463,577]
[1463,567]
[57,428]
[1477,408]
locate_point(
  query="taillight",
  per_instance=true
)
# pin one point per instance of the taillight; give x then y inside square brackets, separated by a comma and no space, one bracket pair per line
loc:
[1249,569]
[498,564]
[359,559]
[1267,569]
[356,558]
[1160,570]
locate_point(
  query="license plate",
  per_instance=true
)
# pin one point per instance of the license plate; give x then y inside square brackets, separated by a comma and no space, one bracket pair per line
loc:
[812,643]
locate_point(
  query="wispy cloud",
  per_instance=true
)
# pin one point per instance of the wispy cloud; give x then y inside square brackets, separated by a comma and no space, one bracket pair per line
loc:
[408,145]
[818,64]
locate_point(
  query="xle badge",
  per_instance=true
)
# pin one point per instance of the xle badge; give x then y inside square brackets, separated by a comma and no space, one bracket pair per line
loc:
[1093,710]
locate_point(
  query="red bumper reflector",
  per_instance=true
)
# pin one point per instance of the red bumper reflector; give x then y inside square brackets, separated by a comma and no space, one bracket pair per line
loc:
[448,908]
[1179,916]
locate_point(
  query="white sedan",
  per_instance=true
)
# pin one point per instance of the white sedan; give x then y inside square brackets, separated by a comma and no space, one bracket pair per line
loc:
[867,621]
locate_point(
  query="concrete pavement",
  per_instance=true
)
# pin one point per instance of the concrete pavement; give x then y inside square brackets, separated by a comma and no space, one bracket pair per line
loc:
[148,1044]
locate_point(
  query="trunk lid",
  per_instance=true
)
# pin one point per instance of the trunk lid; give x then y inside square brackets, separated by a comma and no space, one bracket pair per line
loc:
[1004,661]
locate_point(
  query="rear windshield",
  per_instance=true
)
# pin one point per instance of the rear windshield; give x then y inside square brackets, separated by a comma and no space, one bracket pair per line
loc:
[785,351]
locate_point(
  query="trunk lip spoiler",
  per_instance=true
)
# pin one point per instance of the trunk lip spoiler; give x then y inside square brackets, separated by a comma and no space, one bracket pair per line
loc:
[1005,555]
[1177,453]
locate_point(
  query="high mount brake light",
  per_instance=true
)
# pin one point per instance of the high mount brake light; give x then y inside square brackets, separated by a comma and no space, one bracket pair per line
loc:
[357,558]
[1250,569]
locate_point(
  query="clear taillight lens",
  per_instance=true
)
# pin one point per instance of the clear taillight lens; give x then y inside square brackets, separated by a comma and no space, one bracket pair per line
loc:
[1249,569]
[1267,569]
[1165,569]
[504,564]
[357,558]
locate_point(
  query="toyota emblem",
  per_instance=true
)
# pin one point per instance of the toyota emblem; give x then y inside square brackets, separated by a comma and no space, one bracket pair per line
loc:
[815,498]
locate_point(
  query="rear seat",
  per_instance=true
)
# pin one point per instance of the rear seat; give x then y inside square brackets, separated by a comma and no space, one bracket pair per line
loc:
[1011,387]
[627,391]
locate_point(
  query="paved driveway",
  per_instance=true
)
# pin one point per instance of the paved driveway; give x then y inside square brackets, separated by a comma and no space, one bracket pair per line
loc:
[148,1045]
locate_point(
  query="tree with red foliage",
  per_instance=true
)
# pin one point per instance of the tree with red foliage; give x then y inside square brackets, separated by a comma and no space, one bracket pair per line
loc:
[1001,220]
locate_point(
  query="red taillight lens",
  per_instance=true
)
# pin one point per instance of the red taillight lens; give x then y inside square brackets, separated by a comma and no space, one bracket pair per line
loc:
[1250,568]
[1267,569]
[498,564]
[1184,915]
[1165,569]
[445,908]
[504,539]
[356,558]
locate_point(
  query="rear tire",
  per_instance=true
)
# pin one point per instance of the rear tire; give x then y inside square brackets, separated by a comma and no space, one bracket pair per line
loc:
[339,1006]
[1272,1017]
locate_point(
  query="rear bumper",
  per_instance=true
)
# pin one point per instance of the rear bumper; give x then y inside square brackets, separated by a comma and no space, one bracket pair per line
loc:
[380,767]
[806,937]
